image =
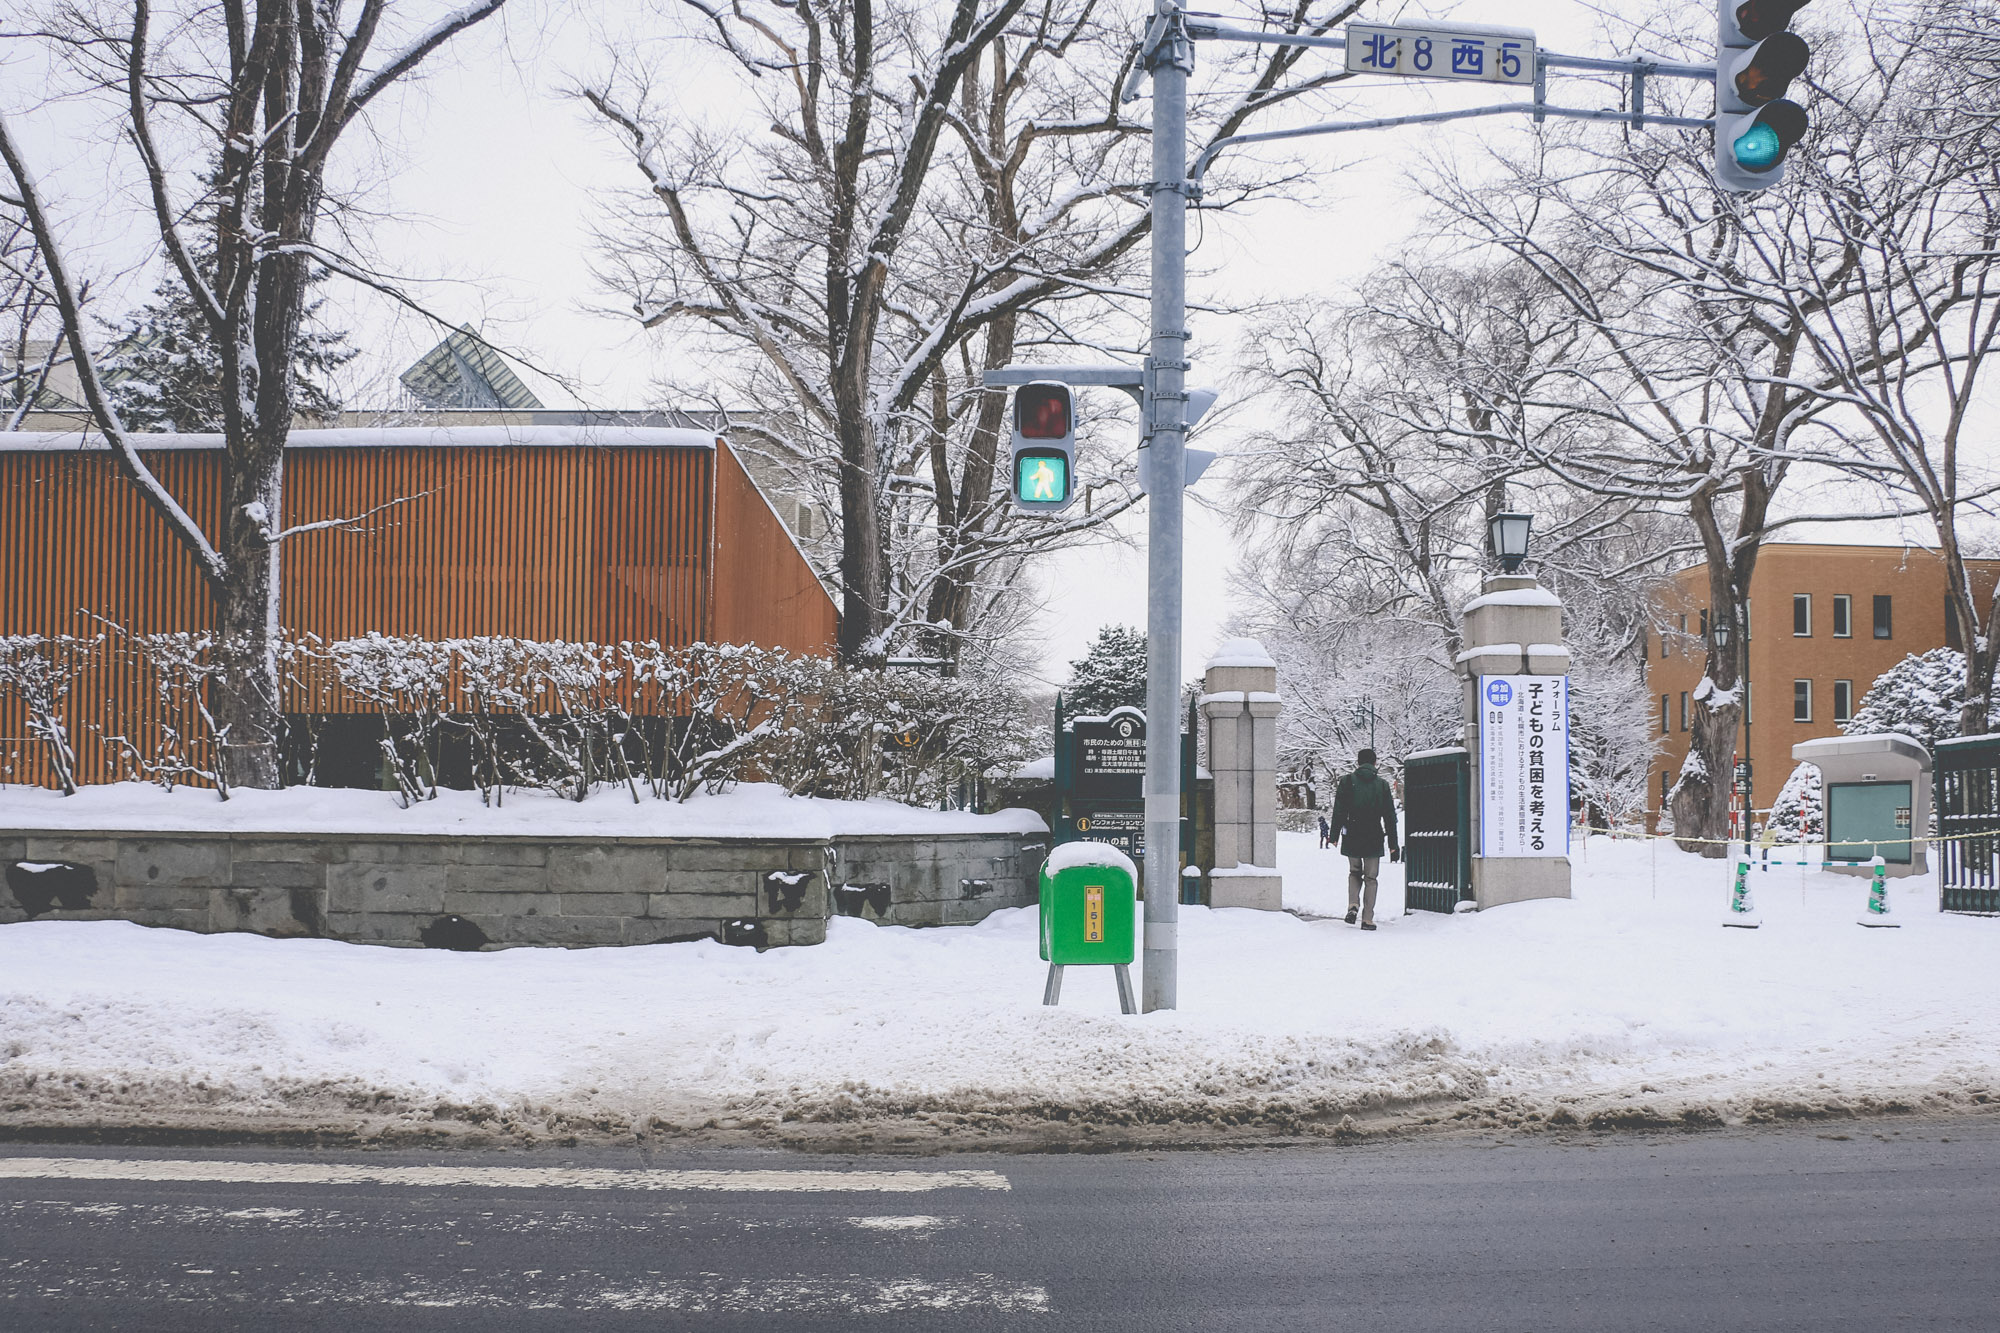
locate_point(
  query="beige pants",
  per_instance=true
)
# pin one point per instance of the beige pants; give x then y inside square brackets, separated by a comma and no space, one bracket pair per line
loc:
[1362,872]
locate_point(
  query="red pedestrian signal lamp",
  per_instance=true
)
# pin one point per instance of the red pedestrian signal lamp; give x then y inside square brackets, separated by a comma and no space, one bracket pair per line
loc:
[1756,59]
[1044,448]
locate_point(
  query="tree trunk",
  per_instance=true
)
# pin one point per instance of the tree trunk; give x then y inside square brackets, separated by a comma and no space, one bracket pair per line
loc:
[1701,803]
[863,572]
[246,701]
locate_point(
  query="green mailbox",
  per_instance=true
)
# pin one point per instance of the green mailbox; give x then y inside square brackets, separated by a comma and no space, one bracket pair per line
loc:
[1089,914]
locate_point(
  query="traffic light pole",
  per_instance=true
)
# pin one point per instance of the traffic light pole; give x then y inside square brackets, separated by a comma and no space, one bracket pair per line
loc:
[1168,58]
[1171,60]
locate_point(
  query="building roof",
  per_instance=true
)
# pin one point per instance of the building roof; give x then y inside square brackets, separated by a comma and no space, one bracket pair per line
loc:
[391,437]
[465,371]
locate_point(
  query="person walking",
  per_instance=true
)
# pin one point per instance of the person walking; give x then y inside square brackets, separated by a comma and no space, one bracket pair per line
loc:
[1364,819]
[1325,834]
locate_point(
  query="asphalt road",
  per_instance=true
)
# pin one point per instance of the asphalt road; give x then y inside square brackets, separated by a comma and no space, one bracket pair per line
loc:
[1875,1226]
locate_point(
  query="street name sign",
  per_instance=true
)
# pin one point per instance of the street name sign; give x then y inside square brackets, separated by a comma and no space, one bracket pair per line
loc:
[1524,766]
[1477,55]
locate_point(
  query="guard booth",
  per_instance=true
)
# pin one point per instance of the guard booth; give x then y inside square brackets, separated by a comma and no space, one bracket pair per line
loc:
[1437,829]
[1878,800]
[1968,797]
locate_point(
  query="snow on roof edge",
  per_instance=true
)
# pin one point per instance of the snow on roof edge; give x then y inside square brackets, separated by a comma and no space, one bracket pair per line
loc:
[387,437]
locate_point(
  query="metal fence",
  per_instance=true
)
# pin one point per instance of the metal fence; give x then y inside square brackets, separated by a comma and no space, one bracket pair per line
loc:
[1437,830]
[1968,802]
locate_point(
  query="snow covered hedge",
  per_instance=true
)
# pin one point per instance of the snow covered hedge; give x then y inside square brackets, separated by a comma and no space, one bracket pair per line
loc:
[495,713]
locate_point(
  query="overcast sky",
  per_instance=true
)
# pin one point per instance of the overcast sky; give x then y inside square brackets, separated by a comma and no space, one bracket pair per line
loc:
[490,179]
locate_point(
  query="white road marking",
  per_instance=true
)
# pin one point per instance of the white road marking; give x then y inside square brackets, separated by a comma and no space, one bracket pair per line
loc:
[916,1222]
[573,1291]
[496,1177]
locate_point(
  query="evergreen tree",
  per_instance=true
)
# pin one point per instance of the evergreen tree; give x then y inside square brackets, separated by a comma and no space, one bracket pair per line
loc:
[1111,674]
[165,372]
[1919,697]
[1799,813]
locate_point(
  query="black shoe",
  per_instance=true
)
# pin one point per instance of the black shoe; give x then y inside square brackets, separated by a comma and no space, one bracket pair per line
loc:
[1368,925]
[1352,912]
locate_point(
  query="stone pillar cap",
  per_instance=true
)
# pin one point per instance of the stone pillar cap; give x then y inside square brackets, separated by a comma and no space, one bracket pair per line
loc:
[1241,653]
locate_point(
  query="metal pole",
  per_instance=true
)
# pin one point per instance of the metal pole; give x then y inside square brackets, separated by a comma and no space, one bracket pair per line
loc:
[1171,60]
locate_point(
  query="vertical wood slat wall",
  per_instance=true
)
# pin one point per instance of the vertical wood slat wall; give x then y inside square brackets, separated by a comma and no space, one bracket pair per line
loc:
[543,542]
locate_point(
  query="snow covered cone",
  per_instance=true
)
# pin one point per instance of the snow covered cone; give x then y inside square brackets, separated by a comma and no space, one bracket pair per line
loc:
[1877,911]
[1742,908]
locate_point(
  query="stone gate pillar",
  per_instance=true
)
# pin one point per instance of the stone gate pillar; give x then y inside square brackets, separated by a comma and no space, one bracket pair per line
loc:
[1240,701]
[1516,673]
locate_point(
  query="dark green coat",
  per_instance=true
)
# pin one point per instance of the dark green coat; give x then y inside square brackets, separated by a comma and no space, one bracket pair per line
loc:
[1364,813]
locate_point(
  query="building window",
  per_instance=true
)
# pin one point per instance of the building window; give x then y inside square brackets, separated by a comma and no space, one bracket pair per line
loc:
[1802,615]
[1704,622]
[1684,710]
[1664,728]
[1951,635]
[1843,700]
[1801,701]
[1664,780]
[1843,617]
[1882,616]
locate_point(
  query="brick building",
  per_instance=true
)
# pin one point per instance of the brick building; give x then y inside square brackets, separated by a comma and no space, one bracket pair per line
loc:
[1824,622]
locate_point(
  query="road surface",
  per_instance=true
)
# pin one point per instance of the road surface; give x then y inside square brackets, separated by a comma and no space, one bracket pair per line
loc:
[1871,1226]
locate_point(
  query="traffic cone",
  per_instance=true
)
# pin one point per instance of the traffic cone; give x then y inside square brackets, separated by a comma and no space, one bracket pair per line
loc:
[1742,910]
[1876,914]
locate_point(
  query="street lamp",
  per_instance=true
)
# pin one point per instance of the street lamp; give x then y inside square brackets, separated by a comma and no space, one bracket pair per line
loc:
[1510,539]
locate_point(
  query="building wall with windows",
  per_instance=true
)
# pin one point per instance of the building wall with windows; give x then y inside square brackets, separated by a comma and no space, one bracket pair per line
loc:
[1824,622]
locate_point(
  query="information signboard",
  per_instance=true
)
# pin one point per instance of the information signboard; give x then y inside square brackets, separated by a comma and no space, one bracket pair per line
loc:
[1123,829]
[1524,765]
[1110,756]
[1480,55]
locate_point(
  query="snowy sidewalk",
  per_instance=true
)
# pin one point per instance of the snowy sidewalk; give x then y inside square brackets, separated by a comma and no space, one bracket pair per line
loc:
[1628,1004]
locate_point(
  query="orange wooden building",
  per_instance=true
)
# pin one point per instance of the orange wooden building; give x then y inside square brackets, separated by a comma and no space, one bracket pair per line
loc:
[599,533]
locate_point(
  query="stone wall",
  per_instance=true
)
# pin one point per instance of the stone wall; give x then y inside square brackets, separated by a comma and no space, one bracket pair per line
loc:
[472,892]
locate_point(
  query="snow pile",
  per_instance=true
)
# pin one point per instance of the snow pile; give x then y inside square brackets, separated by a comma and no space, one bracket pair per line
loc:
[1627,1004]
[753,810]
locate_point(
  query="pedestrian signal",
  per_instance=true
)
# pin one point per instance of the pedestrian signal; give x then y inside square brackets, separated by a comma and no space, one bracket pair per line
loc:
[1044,451]
[1756,59]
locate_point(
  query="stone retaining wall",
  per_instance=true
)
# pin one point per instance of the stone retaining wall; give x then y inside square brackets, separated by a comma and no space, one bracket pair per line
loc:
[473,892]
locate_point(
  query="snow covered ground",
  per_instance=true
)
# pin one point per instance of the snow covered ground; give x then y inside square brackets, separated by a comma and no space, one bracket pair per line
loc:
[1628,1004]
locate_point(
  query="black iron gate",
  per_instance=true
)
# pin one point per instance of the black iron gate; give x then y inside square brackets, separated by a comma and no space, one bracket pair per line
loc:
[1968,802]
[1437,830]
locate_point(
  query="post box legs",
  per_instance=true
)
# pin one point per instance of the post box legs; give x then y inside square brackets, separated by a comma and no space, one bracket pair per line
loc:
[1127,1003]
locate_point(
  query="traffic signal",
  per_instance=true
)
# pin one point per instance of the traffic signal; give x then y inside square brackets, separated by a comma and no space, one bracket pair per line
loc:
[1044,464]
[1756,59]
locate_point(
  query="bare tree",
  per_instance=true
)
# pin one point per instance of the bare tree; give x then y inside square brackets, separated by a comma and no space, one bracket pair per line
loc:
[1687,371]
[935,190]
[1404,422]
[232,112]
[1912,200]
[33,346]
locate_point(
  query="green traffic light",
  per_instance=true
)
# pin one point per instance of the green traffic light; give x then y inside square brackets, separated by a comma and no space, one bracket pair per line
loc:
[1758,147]
[1041,479]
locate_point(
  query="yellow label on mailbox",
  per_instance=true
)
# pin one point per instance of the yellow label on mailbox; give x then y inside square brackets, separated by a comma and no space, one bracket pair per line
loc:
[1093,914]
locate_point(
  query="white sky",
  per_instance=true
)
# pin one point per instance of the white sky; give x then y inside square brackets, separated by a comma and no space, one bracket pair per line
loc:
[490,179]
